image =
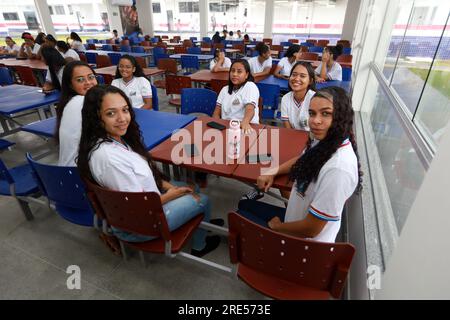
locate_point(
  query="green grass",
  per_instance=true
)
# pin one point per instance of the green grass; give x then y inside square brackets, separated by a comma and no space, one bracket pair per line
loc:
[439,79]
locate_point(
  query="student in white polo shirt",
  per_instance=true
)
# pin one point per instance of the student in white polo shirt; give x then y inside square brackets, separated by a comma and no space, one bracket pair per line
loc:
[325,175]
[55,68]
[284,67]
[239,99]
[113,155]
[295,104]
[262,63]
[11,47]
[66,52]
[329,69]
[130,79]
[220,62]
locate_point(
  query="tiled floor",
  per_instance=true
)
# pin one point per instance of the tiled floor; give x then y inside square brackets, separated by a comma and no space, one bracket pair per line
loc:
[34,255]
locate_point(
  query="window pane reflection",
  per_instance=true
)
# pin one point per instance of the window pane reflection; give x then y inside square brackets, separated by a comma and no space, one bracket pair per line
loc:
[176,16]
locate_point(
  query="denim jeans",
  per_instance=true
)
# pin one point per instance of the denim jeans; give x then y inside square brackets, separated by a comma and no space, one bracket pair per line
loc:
[178,212]
[260,212]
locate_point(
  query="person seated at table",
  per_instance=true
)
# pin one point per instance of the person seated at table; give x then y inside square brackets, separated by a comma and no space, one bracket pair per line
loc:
[220,62]
[238,34]
[76,42]
[246,38]
[66,52]
[239,99]
[261,64]
[216,38]
[284,67]
[40,38]
[295,104]
[29,48]
[78,78]
[230,36]
[113,155]
[50,41]
[325,175]
[130,79]
[328,68]
[55,68]
[224,35]
[115,36]
[11,47]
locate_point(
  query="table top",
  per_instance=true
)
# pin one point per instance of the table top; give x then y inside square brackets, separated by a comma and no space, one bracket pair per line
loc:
[111,70]
[283,83]
[16,98]
[134,54]
[200,56]
[205,75]
[32,63]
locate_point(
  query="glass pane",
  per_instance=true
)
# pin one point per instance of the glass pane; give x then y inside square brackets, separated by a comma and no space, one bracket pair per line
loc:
[176,17]
[403,171]
[398,31]
[433,112]
[427,22]
[309,19]
[244,15]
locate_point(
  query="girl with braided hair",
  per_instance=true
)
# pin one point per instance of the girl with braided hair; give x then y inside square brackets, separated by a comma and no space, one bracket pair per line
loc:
[325,175]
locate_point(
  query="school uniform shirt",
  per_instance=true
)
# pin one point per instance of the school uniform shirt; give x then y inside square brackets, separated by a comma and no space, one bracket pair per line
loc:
[48,77]
[36,48]
[297,113]
[71,54]
[116,166]
[286,66]
[136,89]
[77,45]
[233,105]
[15,47]
[256,67]
[335,72]
[226,63]
[70,132]
[325,198]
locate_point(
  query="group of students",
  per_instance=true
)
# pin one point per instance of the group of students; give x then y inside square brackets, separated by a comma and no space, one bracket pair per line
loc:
[98,132]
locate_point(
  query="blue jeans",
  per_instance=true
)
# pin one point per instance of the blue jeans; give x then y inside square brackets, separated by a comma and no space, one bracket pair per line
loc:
[260,212]
[178,212]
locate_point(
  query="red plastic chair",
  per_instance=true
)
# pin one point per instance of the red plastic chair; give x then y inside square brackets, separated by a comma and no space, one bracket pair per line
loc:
[170,66]
[285,267]
[26,76]
[309,56]
[102,61]
[293,40]
[345,58]
[322,43]
[174,85]
[217,85]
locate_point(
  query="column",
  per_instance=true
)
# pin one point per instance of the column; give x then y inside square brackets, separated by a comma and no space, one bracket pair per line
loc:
[114,17]
[203,8]
[351,16]
[44,16]
[268,18]
[145,16]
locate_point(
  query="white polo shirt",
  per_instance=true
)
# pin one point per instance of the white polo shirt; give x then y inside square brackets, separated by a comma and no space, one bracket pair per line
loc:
[117,167]
[70,132]
[286,66]
[226,63]
[136,90]
[71,54]
[36,48]
[296,113]
[48,77]
[335,73]
[233,105]
[15,47]
[256,67]
[325,198]
[77,45]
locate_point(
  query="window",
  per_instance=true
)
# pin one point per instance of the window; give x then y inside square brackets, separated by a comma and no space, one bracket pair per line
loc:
[10,16]
[51,10]
[156,7]
[218,7]
[70,9]
[186,7]
[60,10]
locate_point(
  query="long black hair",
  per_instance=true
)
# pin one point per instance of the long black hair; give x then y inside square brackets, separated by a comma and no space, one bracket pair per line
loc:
[262,48]
[138,72]
[62,46]
[40,38]
[67,92]
[247,69]
[308,166]
[292,50]
[55,62]
[51,39]
[75,36]
[335,51]
[311,74]
[93,133]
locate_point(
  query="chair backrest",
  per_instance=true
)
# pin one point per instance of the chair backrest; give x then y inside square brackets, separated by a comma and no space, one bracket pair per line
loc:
[240,47]
[304,49]
[347,50]
[125,48]
[100,79]
[91,57]
[64,187]
[309,56]
[217,85]
[26,76]
[192,38]
[194,50]
[267,41]
[307,44]
[316,49]
[189,62]
[205,44]
[195,100]
[4,173]
[146,43]
[91,46]
[346,74]
[158,56]
[174,84]
[270,94]
[206,39]
[125,42]
[187,43]
[218,46]
[103,61]
[167,64]
[322,42]
[107,47]
[293,40]
[276,264]
[159,50]
[115,58]
[141,61]
[5,77]
[311,41]
[82,56]
[179,49]
[286,43]
[344,43]
[155,100]
[137,49]
[345,58]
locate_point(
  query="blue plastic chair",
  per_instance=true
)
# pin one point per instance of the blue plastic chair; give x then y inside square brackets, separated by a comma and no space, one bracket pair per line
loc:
[91,57]
[155,40]
[346,74]
[194,50]
[316,49]
[347,51]
[195,100]
[206,39]
[286,43]
[155,100]
[189,62]
[193,38]
[270,93]
[107,47]
[100,79]
[158,53]
[5,77]
[18,182]
[306,44]
[254,53]
[137,49]
[125,48]
[103,41]
[5,144]
[65,190]
[115,57]
[89,41]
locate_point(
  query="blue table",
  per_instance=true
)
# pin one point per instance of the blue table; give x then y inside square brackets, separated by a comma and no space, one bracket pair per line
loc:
[134,54]
[156,126]
[200,56]
[283,83]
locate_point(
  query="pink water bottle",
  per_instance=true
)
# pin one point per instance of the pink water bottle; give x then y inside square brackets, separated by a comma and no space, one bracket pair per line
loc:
[234,139]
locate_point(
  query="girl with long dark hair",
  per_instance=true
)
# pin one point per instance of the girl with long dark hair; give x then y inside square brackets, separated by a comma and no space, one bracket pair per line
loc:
[262,63]
[325,175]
[112,153]
[239,99]
[78,78]
[130,79]
[329,69]
[76,42]
[284,67]
[55,64]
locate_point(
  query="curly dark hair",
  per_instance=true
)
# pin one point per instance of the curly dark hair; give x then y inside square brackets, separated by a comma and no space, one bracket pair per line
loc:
[247,69]
[307,167]
[138,72]
[93,133]
[67,92]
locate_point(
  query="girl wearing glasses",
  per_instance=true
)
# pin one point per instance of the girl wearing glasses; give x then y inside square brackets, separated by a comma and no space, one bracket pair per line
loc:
[130,79]
[328,68]
[78,78]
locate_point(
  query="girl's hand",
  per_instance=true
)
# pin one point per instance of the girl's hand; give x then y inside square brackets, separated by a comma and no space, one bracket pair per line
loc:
[246,127]
[275,223]
[320,80]
[264,182]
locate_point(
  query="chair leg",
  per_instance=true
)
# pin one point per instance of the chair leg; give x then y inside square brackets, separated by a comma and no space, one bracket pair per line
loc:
[143,261]
[124,251]
[26,209]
